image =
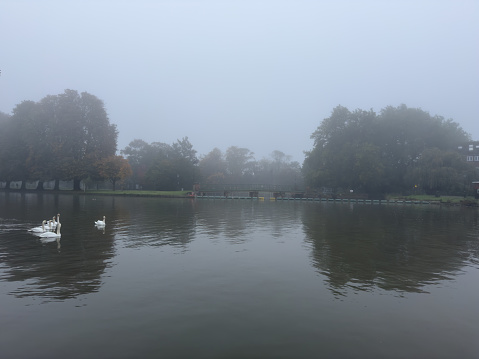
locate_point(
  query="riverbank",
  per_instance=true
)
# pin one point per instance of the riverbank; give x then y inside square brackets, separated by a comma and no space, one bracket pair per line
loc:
[468,201]
[419,199]
[446,200]
[422,199]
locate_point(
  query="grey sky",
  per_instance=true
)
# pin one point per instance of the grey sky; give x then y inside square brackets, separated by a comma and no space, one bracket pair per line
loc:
[254,74]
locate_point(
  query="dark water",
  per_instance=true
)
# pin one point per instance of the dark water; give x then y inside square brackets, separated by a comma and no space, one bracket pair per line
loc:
[237,279]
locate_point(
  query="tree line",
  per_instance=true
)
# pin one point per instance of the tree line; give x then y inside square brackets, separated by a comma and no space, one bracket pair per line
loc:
[399,150]
[62,137]
[159,166]
[69,137]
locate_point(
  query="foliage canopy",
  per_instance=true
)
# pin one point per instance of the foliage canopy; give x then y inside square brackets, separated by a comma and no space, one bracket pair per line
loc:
[59,137]
[367,152]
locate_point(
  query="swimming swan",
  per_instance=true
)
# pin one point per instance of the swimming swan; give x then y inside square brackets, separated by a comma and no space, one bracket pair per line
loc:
[55,221]
[40,229]
[100,223]
[56,234]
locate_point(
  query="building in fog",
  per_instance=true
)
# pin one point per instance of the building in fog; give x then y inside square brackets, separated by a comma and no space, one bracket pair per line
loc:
[470,152]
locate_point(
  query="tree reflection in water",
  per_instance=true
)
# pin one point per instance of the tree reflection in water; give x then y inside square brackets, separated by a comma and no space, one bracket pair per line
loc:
[400,248]
[358,247]
[52,270]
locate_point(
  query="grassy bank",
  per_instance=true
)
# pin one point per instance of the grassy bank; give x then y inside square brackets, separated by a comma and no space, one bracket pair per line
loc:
[135,193]
[447,200]
[453,200]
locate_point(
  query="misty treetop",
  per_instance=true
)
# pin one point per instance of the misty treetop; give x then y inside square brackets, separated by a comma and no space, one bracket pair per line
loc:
[238,166]
[69,137]
[367,152]
[60,137]
[162,166]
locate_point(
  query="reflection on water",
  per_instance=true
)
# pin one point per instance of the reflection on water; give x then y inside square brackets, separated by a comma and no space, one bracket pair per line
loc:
[358,247]
[237,278]
[151,222]
[238,221]
[400,248]
[355,247]
[49,268]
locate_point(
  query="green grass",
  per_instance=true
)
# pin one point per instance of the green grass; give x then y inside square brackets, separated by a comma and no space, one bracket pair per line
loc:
[469,200]
[142,193]
[431,198]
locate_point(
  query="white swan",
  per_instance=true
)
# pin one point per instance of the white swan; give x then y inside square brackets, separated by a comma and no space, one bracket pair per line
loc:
[55,221]
[50,227]
[40,229]
[100,223]
[56,234]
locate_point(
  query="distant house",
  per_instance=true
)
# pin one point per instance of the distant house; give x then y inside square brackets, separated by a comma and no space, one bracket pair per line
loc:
[470,152]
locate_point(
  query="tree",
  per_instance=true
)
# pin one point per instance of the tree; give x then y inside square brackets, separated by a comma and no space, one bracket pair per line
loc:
[404,133]
[83,135]
[368,169]
[185,162]
[438,171]
[360,150]
[60,137]
[12,150]
[138,154]
[338,142]
[239,164]
[151,164]
[161,166]
[278,170]
[212,167]
[13,146]
[113,168]
[161,173]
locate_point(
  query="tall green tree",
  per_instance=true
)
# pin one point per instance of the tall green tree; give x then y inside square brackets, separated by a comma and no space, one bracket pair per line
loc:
[185,162]
[13,152]
[60,137]
[278,169]
[404,133]
[240,164]
[340,142]
[15,145]
[212,167]
[161,174]
[438,171]
[140,156]
[372,153]
[82,135]
[161,166]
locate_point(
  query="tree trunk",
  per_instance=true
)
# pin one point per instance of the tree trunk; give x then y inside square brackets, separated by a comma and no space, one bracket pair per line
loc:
[57,185]
[76,184]
[40,186]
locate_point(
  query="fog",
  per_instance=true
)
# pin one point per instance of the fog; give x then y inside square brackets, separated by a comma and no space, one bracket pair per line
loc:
[255,74]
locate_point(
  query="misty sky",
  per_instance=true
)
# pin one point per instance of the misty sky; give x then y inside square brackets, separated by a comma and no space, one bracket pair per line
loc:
[254,74]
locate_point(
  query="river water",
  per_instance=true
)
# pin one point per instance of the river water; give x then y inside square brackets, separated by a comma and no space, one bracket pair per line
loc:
[182,278]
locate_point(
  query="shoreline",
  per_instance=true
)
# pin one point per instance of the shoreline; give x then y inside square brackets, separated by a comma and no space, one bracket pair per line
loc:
[450,201]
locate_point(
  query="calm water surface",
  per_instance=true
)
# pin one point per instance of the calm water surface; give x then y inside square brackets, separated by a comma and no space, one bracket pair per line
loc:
[237,279]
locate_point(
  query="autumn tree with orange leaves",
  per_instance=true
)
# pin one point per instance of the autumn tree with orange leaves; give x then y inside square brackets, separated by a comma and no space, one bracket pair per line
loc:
[114,169]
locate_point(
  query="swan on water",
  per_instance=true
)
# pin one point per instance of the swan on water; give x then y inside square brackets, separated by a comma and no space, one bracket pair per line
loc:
[100,223]
[55,221]
[56,234]
[39,228]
